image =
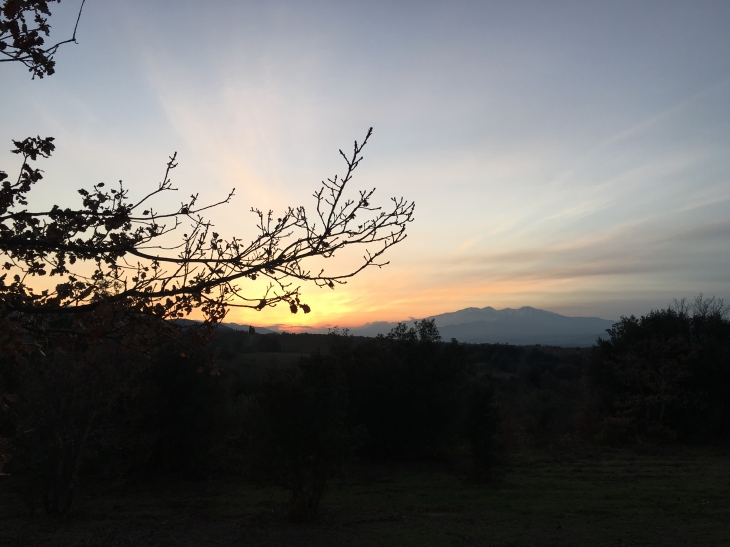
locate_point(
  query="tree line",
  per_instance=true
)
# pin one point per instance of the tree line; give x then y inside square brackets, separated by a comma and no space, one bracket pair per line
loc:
[93,414]
[294,419]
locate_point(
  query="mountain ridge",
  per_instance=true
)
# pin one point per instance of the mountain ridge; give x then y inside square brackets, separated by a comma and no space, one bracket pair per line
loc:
[520,326]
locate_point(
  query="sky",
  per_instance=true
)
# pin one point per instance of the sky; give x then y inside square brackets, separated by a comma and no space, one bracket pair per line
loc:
[570,156]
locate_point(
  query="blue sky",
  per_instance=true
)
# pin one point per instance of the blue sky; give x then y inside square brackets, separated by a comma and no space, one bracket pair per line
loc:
[573,156]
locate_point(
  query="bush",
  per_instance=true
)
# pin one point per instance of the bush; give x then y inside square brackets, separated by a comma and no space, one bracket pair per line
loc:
[480,427]
[179,415]
[64,419]
[665,376]
[296,431]
[404,390]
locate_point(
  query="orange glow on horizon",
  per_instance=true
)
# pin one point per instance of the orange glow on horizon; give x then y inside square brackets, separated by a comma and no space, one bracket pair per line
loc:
[397,296]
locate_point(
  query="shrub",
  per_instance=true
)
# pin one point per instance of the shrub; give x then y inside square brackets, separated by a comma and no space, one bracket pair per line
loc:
[405,390]
[67,401]
[480,427]
[666,375]
[297,436]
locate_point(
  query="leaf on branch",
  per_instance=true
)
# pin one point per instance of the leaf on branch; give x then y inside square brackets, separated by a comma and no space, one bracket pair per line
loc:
[130,272]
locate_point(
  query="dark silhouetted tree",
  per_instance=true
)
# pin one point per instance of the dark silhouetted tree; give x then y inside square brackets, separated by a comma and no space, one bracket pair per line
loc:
[115,259]
[24,28]
[406,390]
[481,427]
[297,434]
[118,268]
[666,373]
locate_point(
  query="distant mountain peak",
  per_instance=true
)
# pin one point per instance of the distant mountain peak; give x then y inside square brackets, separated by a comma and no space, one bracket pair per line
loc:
[525,325]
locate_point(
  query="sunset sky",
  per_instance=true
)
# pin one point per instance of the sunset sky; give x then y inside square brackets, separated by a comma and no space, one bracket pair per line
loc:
[571,156]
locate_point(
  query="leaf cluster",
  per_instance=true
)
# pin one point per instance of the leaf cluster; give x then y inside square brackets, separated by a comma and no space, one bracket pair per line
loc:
[24,28]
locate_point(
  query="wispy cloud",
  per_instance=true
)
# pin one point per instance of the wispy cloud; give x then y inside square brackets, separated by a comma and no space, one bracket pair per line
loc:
[560,157]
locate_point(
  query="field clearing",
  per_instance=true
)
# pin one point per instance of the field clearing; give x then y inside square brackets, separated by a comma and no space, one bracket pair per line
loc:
[609,498]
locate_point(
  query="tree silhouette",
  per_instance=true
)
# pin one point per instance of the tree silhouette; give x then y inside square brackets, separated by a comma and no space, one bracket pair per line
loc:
[23,30]
[665,374]
[121,268]
[115,259]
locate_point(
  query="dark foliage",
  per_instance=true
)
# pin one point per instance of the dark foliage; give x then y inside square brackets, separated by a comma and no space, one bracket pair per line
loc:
[181,415]
[481,424]
[538,391]
[666,375]
[65,422]
[24,28]
[405,390]
[250,403]
[296,431]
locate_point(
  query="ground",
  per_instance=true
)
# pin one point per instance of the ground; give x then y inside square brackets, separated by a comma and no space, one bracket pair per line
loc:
[588,497]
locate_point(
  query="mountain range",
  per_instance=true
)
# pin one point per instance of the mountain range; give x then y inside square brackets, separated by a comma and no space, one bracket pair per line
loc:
[522,326]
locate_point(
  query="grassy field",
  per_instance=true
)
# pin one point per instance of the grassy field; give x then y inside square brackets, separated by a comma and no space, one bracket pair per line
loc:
[612,498]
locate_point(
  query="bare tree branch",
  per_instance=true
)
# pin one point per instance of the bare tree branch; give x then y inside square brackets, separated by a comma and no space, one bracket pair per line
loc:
[112,257]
